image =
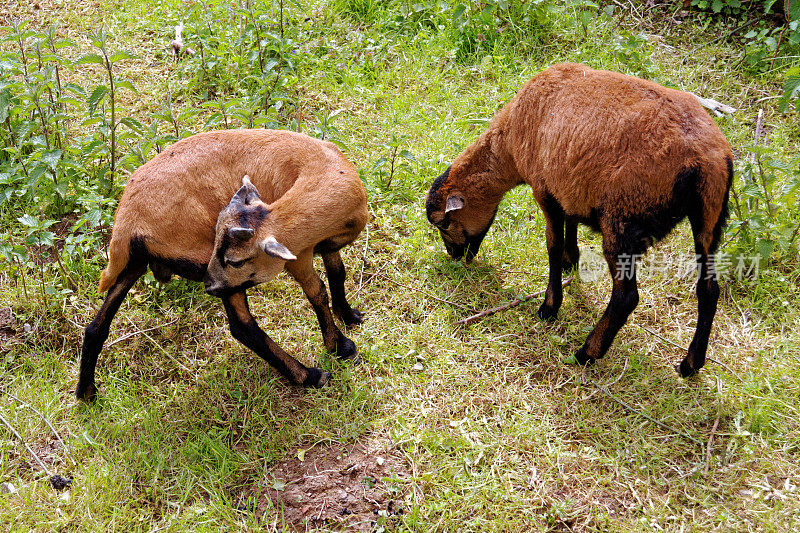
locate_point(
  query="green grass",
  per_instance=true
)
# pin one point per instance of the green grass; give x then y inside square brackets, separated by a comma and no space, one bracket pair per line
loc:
[495,433]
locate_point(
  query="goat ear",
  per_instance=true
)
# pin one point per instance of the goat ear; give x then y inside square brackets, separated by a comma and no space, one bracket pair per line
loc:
[454,202]
[241,234]
[272,247]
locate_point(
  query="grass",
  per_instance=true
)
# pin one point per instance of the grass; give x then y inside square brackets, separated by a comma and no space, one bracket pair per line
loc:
[494,432]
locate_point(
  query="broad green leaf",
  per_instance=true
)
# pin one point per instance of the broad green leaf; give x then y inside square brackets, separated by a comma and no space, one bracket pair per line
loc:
[95,98]
[791,89]
[51,157]
[5,99]
[793,9]
[405,154]
[752,189]
[133,124]
[765,248]
[125,84]
[89,58]
[121,55]
[28,220]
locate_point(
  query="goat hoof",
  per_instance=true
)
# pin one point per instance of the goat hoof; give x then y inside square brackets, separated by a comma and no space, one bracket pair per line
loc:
[86,393]
[685,369]
[547,313]
[346,349]
[568,265]
[580,358]
[350,317]
[317,378]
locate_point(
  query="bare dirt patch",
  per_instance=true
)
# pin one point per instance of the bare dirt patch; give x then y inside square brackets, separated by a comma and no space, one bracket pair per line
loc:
[342,487]
[8,325]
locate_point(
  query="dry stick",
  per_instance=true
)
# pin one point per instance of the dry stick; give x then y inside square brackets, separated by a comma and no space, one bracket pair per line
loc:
[710,360]
[46,421]
[131,334]
[16,434]
[509,305]
[708,446]
[641,413]
[370,278]
[422,292]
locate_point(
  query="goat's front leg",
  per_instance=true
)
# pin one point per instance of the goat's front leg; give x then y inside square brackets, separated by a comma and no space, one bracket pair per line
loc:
[302,270]
[245,329]
[334,268]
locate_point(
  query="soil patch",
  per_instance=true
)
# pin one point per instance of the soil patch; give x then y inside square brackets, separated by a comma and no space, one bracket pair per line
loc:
[342,487]
[8,324]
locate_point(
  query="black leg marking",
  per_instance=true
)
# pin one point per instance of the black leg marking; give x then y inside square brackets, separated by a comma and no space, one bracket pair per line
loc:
[97,331]
[554,217]
[571,252]
[302,270]
[334,269]
[624,298]
[706,238]
[245,329]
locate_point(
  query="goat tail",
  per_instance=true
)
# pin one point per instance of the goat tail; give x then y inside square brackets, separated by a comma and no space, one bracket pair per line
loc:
[118,258]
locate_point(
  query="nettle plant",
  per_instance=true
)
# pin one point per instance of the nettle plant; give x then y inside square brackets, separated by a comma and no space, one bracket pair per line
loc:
[244,63]
[59,155]
[765,212]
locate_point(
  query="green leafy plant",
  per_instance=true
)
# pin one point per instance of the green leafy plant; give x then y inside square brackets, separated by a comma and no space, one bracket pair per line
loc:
[766,216]
[103,94]
[398,160]
[791,90]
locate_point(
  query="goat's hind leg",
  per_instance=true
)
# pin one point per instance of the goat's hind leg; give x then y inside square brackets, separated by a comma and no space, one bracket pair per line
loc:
[572,253]
[624,298]
[302,270]
[334,269]
[245,329]
[554,232]
[707,295]
[97,331]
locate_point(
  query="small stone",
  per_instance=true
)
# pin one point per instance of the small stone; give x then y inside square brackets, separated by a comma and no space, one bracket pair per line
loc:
[418,367]
[64,496]
[7,488]
[380,461]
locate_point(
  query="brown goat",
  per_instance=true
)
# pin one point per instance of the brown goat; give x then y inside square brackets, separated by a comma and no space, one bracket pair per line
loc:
[167,219]
[625,156]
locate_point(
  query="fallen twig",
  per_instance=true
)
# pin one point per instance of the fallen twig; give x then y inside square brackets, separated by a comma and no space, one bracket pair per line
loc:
[133,333]
[718,108]
[641,413]
[19,437]
[509,305]
[708,446]
[365,282]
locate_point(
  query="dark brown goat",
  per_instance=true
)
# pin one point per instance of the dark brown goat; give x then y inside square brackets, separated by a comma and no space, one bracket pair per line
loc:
[313,202]
[625,156]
